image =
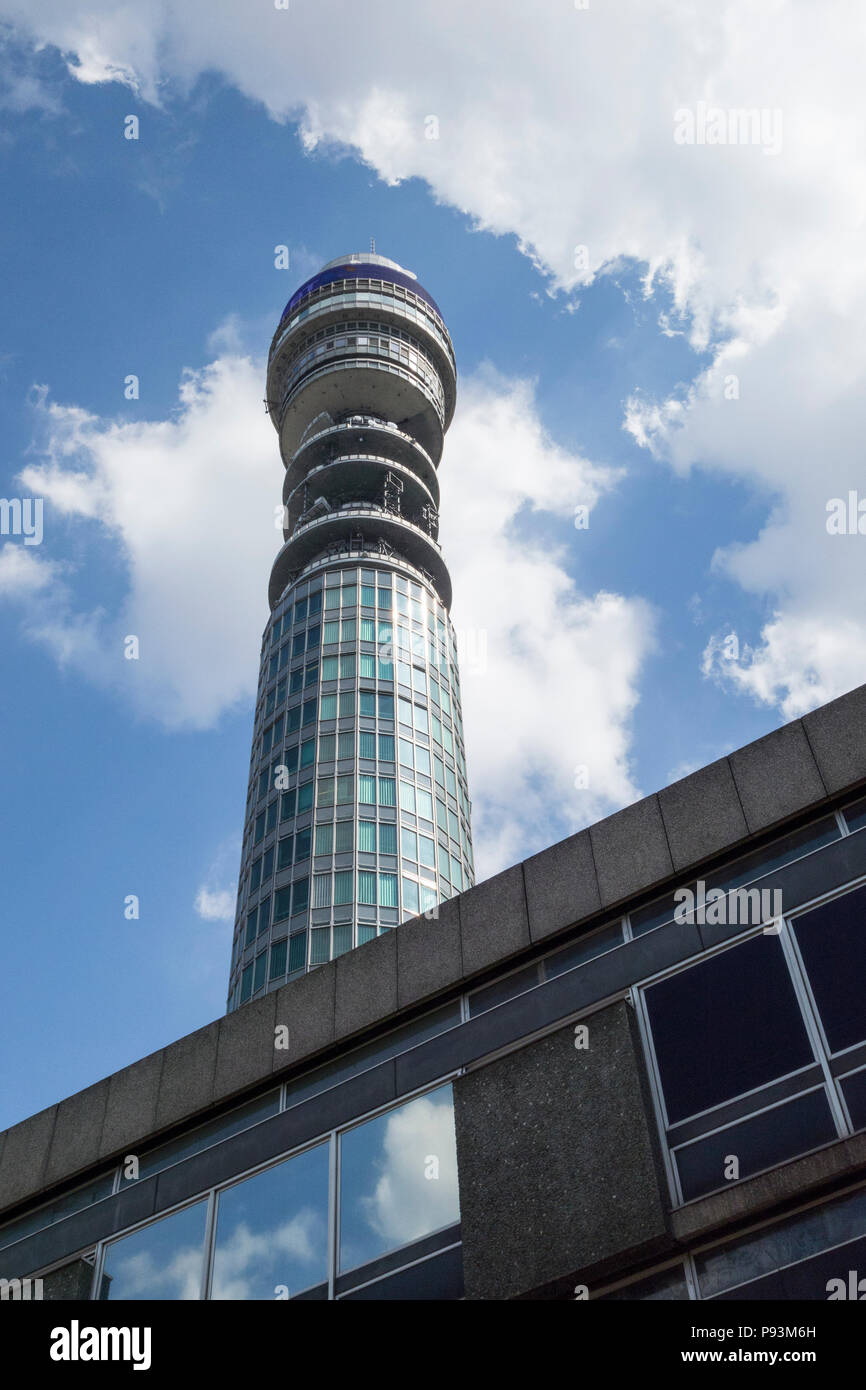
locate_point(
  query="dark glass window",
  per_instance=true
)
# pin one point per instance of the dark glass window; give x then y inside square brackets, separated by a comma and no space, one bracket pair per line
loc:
[367,704]
[774,856]
[293,720]
[309,711]
[433,1280]
[278,958]
[298,951]
[260,827]
[497,993]
[386,706]
[287,805]
[760,1142]
[251,927]
[282,901]
[670,1284]
[854,1091]
[264,914]
[302,844]
[726,1026]
[300,894]
[581,951]
[647,918]
[255,874]
[387,839]
[832,941]
[855,814]
[286,846]
[785,1246]
[247,983]
[259,976]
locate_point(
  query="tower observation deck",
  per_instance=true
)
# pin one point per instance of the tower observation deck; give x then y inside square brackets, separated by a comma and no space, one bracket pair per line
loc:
[358,814]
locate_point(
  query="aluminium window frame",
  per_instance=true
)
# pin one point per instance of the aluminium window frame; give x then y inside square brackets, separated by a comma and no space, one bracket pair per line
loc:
[831,1083]
[211,1195]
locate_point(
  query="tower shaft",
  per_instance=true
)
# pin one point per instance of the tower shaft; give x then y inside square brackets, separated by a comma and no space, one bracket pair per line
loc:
[358,813]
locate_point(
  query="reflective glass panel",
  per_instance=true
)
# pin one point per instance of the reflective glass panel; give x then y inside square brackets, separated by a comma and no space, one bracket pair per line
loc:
[161,1261]
[272,1231]
[398,1178]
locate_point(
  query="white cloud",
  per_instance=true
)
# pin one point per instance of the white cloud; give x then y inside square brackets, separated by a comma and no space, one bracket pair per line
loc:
[564,136]
[190,502]
[215,905]
[22,572]
[550,673]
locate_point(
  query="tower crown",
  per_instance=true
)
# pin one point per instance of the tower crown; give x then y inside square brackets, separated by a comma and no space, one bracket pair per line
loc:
[361,388]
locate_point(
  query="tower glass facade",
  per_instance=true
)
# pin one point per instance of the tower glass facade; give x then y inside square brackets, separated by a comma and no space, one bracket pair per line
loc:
[358,813]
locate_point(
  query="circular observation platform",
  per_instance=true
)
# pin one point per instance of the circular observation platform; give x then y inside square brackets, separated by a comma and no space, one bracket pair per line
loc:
[342,529]
[355,383]
[361,434]
[359,475]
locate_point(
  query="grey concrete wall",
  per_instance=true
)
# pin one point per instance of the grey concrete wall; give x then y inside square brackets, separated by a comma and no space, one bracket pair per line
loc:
[597,871]
[70,1283]
[557,1160]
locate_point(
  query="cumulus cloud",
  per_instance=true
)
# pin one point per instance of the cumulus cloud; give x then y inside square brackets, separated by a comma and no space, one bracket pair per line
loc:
[215,905]
[550,673]
[191,503]
[564,136]
[23,573]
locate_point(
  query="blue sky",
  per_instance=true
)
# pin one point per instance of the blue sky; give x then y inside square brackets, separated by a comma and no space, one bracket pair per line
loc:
[600,383]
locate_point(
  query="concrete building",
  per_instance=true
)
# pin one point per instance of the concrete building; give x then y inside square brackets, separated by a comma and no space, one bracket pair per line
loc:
[599,1070]
[358,808]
